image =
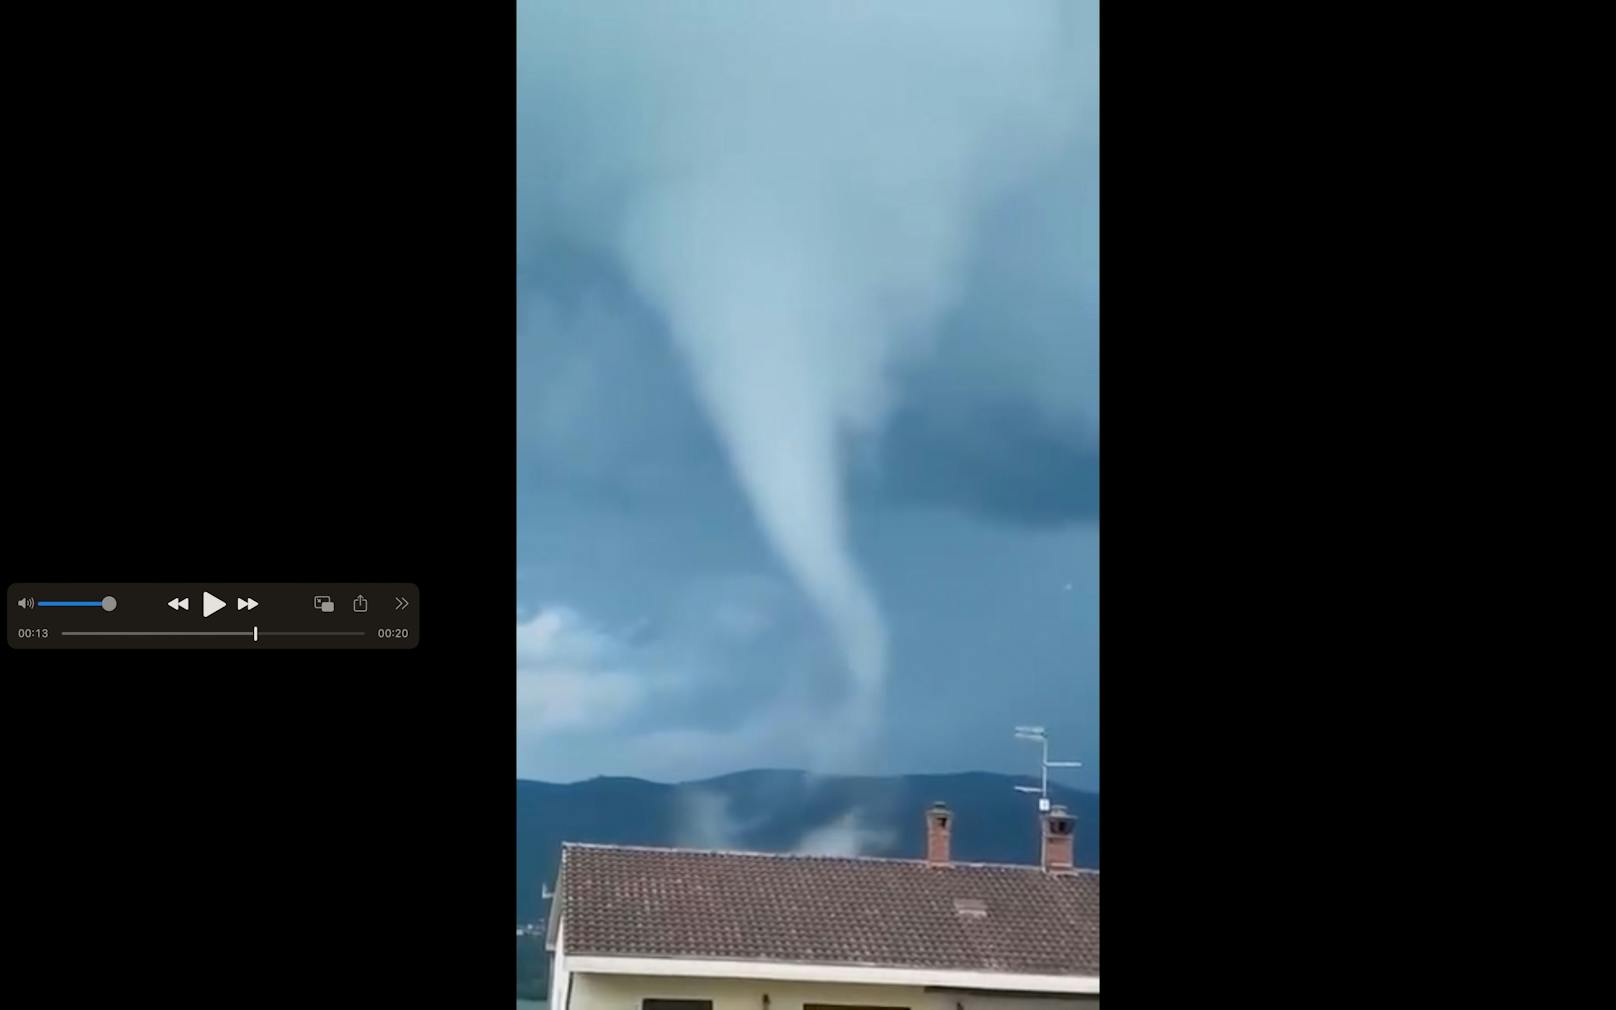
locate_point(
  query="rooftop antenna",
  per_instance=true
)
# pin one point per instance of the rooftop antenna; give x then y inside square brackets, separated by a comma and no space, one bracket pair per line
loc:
[1037,735]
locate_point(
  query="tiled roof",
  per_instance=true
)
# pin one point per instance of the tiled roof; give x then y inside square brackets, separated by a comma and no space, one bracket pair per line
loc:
[646,902]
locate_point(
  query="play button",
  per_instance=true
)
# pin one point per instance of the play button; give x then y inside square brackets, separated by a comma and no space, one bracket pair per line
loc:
[246,604]
[210,604]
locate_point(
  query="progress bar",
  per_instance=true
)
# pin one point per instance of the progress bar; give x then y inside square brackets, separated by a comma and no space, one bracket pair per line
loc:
[243,634]
[214,634]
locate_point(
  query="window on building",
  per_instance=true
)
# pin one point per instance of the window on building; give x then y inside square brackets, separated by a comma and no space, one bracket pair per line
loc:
[848,1006]
[676,1004]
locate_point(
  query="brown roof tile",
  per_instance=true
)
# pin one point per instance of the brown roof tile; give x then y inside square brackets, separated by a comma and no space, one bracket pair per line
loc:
[646,902]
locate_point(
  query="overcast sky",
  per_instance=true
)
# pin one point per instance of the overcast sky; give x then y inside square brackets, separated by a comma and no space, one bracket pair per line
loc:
[807,386]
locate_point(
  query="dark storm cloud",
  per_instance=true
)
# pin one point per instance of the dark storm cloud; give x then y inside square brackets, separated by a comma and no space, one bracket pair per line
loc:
[1006,462]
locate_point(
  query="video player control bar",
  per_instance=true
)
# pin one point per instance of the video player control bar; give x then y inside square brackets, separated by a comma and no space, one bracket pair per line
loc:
[213,615]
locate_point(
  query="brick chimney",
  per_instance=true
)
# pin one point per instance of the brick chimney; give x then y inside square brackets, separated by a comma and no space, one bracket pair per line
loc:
[939,826]
[1058,842]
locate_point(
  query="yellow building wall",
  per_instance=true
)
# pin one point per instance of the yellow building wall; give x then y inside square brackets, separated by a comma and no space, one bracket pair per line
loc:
[624,992]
